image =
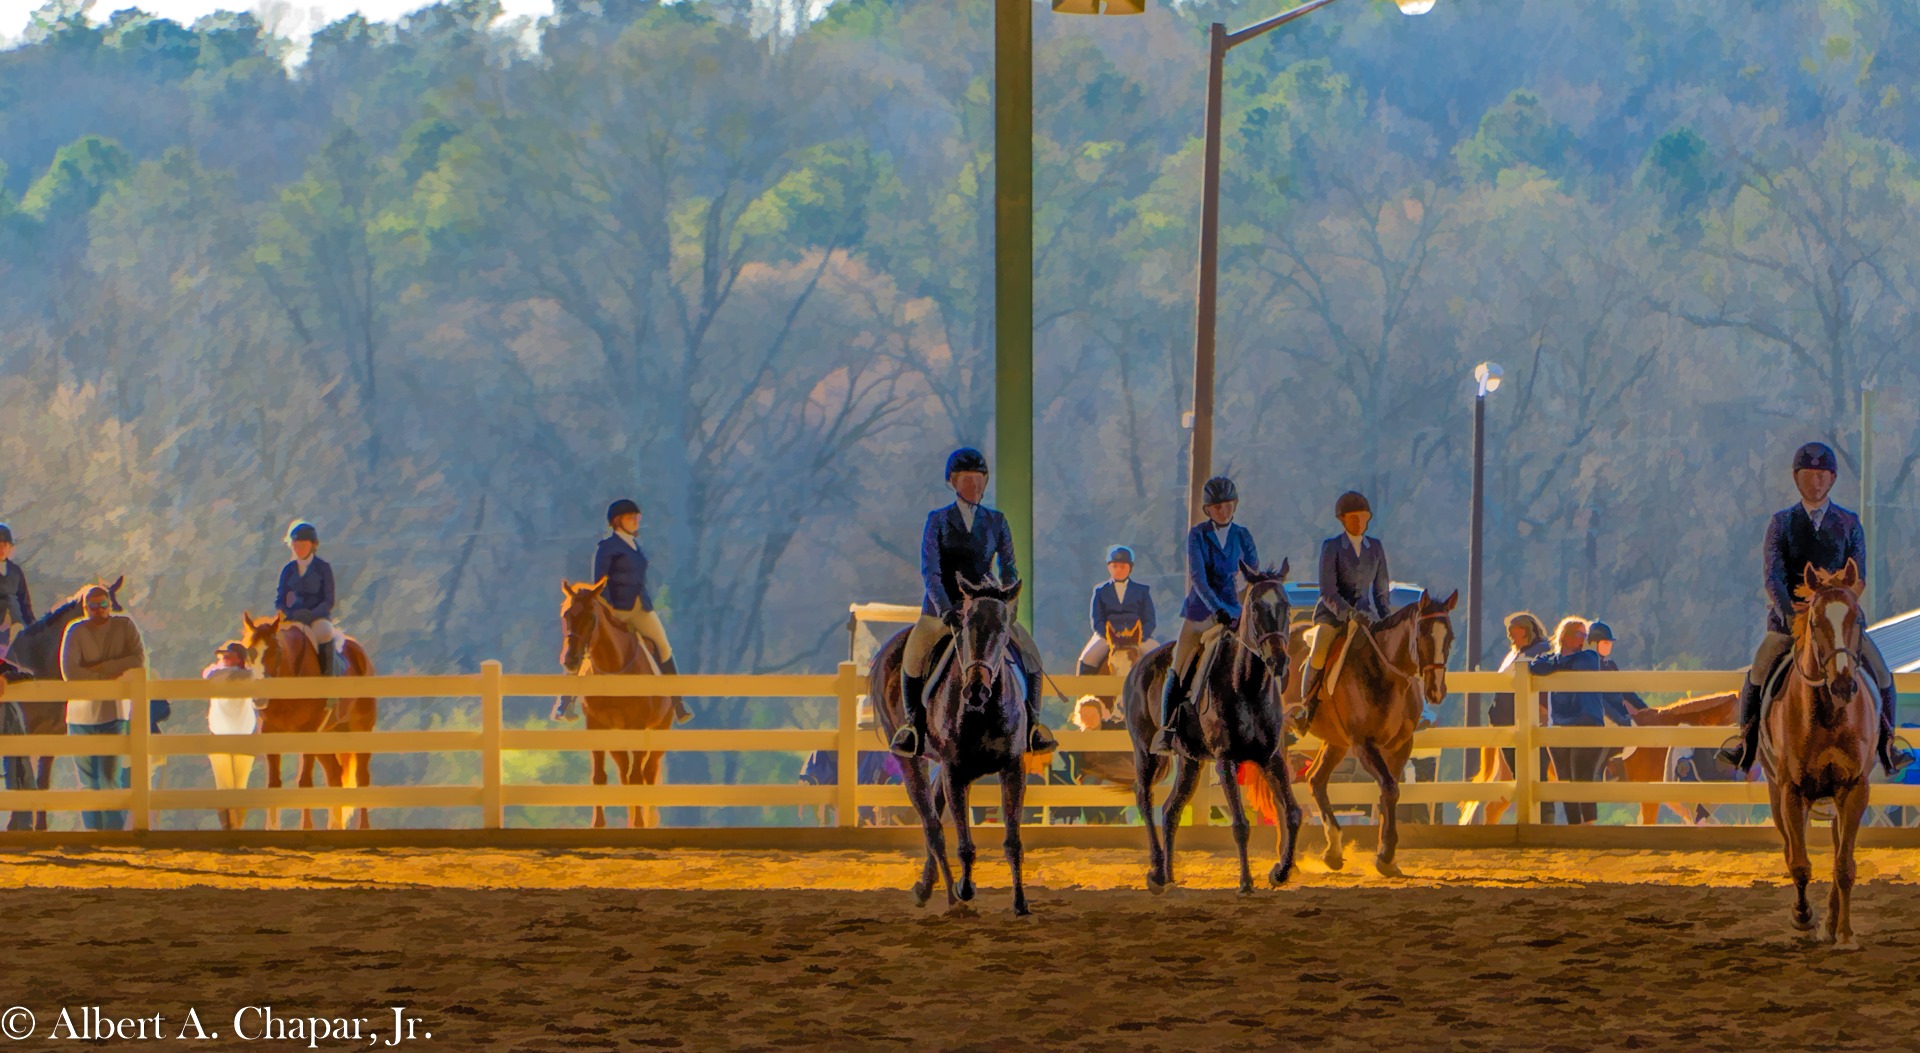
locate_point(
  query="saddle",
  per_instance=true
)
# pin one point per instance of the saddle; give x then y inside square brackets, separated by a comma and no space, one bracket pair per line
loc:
[943,652]
[1336,661]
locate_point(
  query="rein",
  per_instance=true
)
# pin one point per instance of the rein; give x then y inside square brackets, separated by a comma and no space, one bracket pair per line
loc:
[1413,644]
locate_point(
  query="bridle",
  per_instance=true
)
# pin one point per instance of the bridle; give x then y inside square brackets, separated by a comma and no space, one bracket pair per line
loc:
[1420,669]
[989,664]
[1806,649]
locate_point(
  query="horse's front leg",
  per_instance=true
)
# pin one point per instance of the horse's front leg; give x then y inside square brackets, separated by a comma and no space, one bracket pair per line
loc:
[1790,816]
[646,772]
[273,783]
[1237,815]
[599,759]
[1186,778]
[920,792]
[1282,782]
[623,773]
[1387,774]
[42,779]
[1849,806]
[1317,778]
[1013,796]
[957,789]
[305,782]
[1146,771]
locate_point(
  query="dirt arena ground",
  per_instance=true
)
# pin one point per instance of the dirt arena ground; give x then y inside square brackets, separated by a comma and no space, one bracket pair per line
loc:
[630,949]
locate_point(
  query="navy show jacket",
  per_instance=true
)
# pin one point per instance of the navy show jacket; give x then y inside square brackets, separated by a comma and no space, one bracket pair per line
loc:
[1792,545]
[949,551]
[1212,570]
[312,591]
[1351,580]
[1136,609]
[625,568]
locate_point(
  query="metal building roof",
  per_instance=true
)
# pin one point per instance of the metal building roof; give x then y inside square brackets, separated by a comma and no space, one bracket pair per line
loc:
[1899,640]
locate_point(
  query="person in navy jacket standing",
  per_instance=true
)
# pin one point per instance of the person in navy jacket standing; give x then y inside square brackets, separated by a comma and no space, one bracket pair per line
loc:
[963,539]
[1813,532]
[1217,547]
[622,564]
[1353,588]
[1119,605]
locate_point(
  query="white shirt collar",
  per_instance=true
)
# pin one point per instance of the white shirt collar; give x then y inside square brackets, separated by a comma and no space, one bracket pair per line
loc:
[1220,533]
[1356,540]
[1817,512]
[966,512]
[1120,590]
[632,542]
[303,564]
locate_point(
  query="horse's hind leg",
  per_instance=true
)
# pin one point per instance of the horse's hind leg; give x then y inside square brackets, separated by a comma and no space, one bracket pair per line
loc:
[599,779]
[1384,773]
[335,776]
[305,782]
[363,776]
[273,783]
[1282,782]
[646,772]
[1013,797]
[1317,777]
[1237,814]
[1186,778]
[1848,807]
[1146,771]
[963,831]
[42,779]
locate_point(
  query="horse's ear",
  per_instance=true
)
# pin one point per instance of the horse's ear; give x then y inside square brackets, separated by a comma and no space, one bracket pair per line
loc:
[1452,599]
[246,619]
[1285,567]
[1249,570]
[117,582]
[1013,592]
[1851,580]
[566,588]
[597,586]
[1812,576]
[968,589]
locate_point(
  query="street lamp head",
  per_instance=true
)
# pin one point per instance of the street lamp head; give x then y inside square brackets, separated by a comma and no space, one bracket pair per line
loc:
[1488,375]
[1115,7]
[1414,7]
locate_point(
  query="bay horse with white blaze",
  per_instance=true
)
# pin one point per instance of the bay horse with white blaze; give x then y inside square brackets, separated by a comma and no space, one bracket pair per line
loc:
[594,642]
[1236,698]
[280,648]
[1371,707]
[1818,739]
[976,726]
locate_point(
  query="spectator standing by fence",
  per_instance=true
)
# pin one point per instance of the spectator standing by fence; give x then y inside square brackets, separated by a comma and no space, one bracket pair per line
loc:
[231,716]
[1579,709]
[101,645]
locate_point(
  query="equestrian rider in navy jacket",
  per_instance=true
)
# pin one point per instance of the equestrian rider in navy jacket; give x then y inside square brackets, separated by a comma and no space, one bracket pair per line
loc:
[1217,548]
[1818,533]
[16,604]
[1119,605]
[305,594]
[963,539]
[621,564]
[1353,588]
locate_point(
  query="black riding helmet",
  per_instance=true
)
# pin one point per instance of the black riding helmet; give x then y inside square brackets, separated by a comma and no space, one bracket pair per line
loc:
[1817,456]
[6,534]
[1218,490]
[966,459]
[622,507]
[1599,631]
[303,531]
[1350,502]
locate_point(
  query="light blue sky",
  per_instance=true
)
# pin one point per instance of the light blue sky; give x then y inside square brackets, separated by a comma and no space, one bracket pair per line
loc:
[294,18]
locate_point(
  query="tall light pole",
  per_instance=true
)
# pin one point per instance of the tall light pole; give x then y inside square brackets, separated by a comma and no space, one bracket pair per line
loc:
[1867,595]
[1200,452]
[1486,377]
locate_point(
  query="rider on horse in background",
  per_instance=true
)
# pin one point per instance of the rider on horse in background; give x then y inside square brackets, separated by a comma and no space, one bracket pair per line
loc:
[963,539]
[1353,588]
[622,564]
[16,606]
[1818,533]
[306,594]
[1217,547]
[1119,605]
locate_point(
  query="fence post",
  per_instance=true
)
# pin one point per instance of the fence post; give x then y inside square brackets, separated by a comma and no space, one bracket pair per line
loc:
[493,812]
[139,727]
[1526,755]
[846,804]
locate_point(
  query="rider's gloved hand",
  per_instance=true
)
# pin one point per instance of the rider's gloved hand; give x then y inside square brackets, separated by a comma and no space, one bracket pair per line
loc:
[952,618]
[1223,617]
[1361,618]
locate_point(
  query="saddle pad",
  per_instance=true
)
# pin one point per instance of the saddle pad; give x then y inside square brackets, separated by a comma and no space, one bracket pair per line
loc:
[1336,661]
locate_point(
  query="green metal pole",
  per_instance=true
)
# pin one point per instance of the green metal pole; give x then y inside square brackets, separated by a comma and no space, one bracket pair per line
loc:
[1013,279]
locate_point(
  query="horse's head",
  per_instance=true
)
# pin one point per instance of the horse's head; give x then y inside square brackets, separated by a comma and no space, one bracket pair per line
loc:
[579,615]
[1433,642]
[261,638]
[986,630]
[1264,612]
[1827,628]
[1123,648]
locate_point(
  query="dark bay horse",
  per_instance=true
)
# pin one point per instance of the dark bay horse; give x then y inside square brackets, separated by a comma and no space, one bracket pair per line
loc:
[1372,709]
[280,648]
[595,642]
[1817,741]
[976,726]
[37,650]
[1240,720]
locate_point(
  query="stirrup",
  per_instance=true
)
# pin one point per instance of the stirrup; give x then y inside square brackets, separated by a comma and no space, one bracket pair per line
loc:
[906,743]
[1734,753]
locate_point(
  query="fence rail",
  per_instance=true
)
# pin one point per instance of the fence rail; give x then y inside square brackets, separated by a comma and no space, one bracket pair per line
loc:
[492,740]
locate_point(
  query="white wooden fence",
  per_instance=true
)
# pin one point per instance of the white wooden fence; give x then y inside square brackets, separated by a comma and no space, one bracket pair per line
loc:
[490,686]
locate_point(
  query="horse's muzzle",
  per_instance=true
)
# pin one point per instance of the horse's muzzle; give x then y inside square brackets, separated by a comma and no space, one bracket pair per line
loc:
[976,685]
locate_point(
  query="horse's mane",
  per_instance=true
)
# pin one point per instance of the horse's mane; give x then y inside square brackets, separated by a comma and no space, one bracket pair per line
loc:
[1675,712]
[1397,618]
[1803,604]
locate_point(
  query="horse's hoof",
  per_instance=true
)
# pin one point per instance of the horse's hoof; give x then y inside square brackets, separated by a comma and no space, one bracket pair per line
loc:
[1333,862]
[1246,888]
[1803,922]
[966,892]
[1021,910]
[1848,944]
[1157,886]
[1278,875]
[1387,869]
[921,894]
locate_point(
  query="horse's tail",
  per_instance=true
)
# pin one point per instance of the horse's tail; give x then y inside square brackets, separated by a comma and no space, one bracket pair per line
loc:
[1114,770]
[1257,791]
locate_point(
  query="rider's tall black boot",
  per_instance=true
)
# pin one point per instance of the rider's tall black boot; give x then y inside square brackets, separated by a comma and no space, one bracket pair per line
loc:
[1173,706]
[1089,670]
[337,713]
[1039,739]
[911,738]
[1743,754]
[681,714]
[1893,760]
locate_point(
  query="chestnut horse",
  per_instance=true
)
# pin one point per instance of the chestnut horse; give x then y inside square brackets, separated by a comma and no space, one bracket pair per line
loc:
[1655,763]
[280,648]
[1373,707]
[36,649]
[595,642]
[1235,693]
[1817,740]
